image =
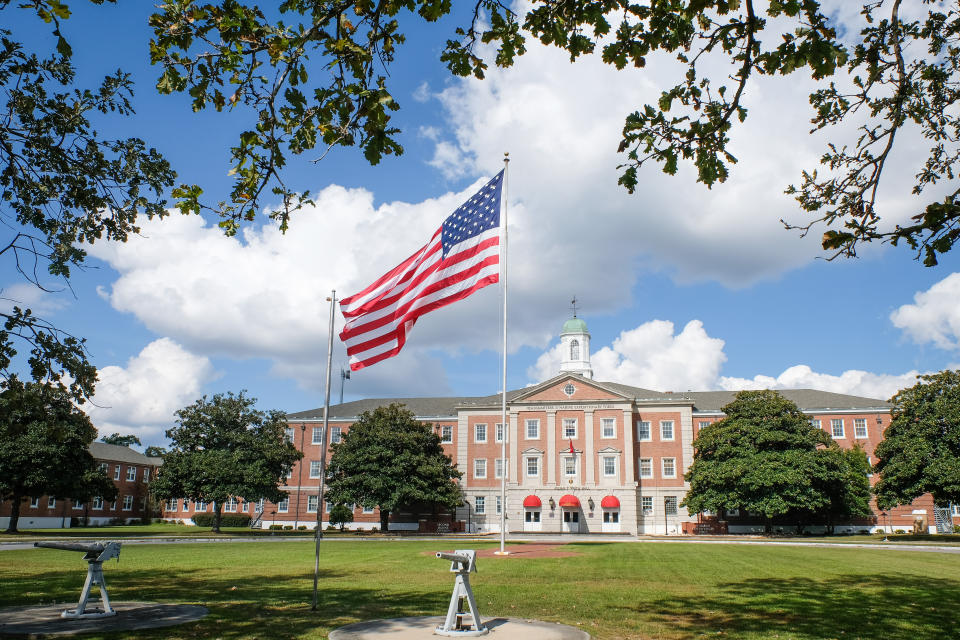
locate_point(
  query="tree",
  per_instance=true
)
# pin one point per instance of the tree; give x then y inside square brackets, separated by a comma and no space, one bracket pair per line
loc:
[920,452]
[155,452]
[340,515]
[44,439]
[767,458]
[390,460]
[225,448]
[123,441]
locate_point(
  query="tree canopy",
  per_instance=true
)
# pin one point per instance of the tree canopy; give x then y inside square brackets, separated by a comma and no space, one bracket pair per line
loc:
[121,440]
[390,460]
[44,441]
[920,451]
[223,448]
[766,457]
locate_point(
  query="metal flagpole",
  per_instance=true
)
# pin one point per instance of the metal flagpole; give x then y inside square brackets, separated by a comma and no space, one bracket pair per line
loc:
[503,390]
[318,532]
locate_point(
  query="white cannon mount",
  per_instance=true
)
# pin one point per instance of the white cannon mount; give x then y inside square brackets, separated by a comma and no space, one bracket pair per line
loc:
[95,553]
[462,562]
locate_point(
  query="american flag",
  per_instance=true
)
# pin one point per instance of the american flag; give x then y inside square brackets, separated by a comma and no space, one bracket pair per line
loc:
[462,256]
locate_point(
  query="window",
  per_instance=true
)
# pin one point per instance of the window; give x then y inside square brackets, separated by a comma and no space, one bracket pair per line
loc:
[260,505]
[170,506]
[569,427]
[116,472]
[955,509]
[317,437]
[732,513]
[569,466]
[289,433]
[199,506]
[51,503]
[836,426]
[480,432]
[609,466]
[703,425]
[479,504]
[446,433]
[533,429]
[113,506]
[533,467]
[498,468]
[34,503]
[870,468]
[860,427]
[98,504]
[499,432]
[230,506]
[131,474]
[312,504]
[669,467]
[499,506]
[367,510]
[532,516]
[816,424]
[574,349]
[326,506]
[146,475]
[646,467]
[103,468]
[643,430]
[646,505]
[128,503]
[480,468]
[78,504]
[666,429]
[283,506]
[670,505]
[611,516]
[335,434]
[569,389]
[608,428]
[315,468]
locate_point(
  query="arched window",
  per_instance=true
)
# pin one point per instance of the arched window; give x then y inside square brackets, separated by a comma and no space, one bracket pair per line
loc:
[574,350]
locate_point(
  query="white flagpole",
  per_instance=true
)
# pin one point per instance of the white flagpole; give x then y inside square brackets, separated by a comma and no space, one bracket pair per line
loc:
[318,533]
[503,392]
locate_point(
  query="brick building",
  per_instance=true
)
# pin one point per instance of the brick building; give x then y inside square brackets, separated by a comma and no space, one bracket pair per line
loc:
[131,473]
[630,450]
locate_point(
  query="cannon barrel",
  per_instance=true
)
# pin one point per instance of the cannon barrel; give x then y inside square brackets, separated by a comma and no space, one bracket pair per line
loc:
[453,557]
[95,547]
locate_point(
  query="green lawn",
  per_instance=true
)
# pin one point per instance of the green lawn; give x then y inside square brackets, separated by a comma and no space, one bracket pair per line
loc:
[612,590]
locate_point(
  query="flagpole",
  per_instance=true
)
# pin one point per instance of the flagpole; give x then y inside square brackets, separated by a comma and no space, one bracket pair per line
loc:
[318,532]
[503,390]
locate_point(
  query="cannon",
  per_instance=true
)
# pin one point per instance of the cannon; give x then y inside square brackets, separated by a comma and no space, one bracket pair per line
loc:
[95,553]
[462,562]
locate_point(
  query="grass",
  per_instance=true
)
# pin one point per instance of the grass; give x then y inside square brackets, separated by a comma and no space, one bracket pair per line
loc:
[611,590]
[157,529]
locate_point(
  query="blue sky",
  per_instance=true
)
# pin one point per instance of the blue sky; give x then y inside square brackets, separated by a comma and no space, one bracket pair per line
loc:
[682,287]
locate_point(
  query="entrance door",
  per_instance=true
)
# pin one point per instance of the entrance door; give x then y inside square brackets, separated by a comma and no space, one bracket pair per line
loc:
[531,520]
[571,521]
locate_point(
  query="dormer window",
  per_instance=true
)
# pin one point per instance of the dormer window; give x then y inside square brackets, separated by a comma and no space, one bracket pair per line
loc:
[574,349]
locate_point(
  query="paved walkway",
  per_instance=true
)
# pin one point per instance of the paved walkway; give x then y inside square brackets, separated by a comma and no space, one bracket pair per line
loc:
[417,628]
[46,620]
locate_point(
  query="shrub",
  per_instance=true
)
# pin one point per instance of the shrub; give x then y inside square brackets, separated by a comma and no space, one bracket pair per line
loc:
[302,527]
[330,527]
[288,527]
[226,520]
[276,527]
[899,531]
[117,521]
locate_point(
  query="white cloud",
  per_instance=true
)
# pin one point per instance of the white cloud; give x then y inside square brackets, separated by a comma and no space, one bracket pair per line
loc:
[29,296]
[141,398]
[934,316]
[653,357]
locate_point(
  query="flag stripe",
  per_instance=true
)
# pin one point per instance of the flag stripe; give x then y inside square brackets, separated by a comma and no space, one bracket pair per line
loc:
[461,257]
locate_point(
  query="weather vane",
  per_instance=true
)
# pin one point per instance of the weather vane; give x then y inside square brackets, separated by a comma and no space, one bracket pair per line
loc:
[573,304]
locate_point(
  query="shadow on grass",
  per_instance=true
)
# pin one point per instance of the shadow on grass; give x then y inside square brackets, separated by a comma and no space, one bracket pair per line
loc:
[867,607]
[261,606]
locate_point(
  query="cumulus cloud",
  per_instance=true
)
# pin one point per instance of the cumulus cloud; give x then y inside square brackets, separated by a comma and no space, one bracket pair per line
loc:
[141,398]
[29,296]
[653,356]
[934,316]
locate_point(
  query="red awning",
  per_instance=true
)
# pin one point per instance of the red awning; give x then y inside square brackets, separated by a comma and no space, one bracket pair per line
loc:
[532,501]
[569,501]
[610,502]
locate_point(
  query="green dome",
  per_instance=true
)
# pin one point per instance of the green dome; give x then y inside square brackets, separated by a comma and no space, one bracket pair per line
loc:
[574,325]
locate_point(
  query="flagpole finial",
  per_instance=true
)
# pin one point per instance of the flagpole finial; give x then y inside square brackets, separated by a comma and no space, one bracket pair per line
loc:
[573,305]
[506,157]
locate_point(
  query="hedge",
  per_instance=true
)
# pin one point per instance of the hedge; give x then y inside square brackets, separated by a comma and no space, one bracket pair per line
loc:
[226,520]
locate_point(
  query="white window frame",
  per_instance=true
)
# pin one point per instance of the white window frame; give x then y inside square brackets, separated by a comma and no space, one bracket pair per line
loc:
[230,506]
[567,472]
[499,432]
[480,468]
[536,463]
[200,506]
[612,460]
[367,509]
[569,423]
[480,428]
[336,434]
[480,505]
[816,423]
[446,434]
[312,502]
[535,423]
[316,435]
[116,472]
[857,423]
[284,505]
[113,506]
[640,469]
[146,475]
[498,468]
[834,423]
[128,503]
[51,503]
[98,504]
[131,474]
[673,466]
[664,425]
[647,506]
[646,424]
[608,422]
[34,503]
[498,507]
[289,433]
[671,506]
[315,468]
[702,424]
[104,467]
[78,505]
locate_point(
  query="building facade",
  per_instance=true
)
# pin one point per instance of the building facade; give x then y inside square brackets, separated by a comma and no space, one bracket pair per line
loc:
[131,473]
[583,456]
